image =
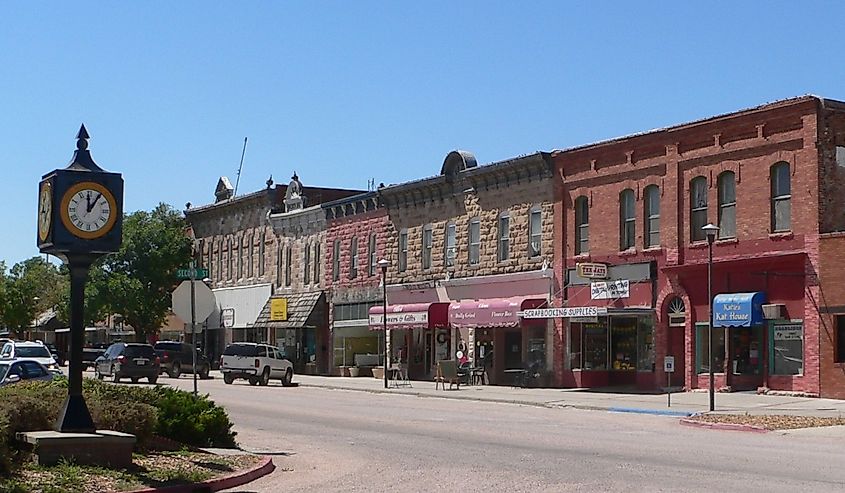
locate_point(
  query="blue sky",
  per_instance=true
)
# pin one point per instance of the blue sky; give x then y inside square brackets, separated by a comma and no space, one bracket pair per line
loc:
[342,92]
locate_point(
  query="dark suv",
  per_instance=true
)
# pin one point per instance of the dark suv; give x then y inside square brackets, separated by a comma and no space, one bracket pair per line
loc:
[176,358]
[128,360]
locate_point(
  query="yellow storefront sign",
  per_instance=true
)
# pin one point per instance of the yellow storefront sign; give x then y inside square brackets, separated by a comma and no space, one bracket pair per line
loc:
[278,309]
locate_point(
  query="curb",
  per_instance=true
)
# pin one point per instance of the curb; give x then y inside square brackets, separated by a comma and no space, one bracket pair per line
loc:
[263,468]
[723,426]
[656,412]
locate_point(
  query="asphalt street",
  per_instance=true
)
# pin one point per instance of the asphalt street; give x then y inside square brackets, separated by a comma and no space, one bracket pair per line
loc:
[337,440]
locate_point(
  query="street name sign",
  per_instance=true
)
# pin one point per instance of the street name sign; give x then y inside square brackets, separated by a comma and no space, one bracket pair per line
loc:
[188,273]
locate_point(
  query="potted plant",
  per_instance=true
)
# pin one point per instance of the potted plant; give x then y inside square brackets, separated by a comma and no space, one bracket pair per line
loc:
[353,371]
[378,372]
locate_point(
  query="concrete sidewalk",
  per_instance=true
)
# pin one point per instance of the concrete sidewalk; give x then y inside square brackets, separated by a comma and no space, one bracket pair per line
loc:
[683,403]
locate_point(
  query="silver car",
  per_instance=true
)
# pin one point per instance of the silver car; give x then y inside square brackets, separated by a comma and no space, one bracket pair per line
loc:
[18,370]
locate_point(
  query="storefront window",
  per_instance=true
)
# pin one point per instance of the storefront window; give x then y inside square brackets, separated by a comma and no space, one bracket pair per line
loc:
[575,346]
[595,346]
[746,354]
[787,349]
[702,345]
[536,349]
[623,343]
[645,344]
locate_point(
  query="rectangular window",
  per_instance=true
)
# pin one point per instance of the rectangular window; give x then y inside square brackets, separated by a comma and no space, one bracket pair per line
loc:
[336,260]
[219,260]
[840,339]
[703,344]
[261,255]
[229,252]
[306,265]
[240,259]
[595,346]
[474,241]
[781,197]
[746,350]
[353,254]
[288,264]
[427,241]
[209,260]
[317,263]
[627,220]
[535,233]
[249,252]
[504,246]
[652,216]
[576,348]
[787,349]
[450,245]
[403,250]
[371,255]
[582,225]
[279,262]
[698,208]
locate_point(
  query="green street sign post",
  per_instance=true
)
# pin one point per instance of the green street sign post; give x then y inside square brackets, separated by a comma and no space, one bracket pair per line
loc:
[189,273]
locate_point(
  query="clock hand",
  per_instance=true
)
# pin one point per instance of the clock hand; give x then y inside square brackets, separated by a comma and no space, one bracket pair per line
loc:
[95,201]
[88,200]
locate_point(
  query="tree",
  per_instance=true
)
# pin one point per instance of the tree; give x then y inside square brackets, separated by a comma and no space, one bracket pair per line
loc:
[137,281]
[31,287]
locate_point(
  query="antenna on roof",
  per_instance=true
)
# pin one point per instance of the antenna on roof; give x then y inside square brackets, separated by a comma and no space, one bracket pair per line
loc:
[238,180]
[371,184]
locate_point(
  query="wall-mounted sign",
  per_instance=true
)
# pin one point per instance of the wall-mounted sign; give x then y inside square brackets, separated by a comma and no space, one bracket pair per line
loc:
[788,332]
[609,290]
[565,312]
[738,309]
[278,309]
[400,318]
[591,270]
[227,317]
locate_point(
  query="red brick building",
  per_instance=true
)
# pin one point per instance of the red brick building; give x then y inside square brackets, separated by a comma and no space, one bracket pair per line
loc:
[773,179]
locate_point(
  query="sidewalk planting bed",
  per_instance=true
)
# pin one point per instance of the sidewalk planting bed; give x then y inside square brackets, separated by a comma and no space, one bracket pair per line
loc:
[768,422]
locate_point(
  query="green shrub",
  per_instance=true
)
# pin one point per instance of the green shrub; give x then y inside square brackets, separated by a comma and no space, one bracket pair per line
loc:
[193,420]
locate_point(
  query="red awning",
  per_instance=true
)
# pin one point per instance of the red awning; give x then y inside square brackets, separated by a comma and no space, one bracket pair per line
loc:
[496,312]
[411,316]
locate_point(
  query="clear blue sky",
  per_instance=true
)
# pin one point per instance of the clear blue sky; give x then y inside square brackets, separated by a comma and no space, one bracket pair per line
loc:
[345,91]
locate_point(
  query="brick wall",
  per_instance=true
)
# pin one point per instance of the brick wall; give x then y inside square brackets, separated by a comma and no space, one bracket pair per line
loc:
[359,226]
[831,303]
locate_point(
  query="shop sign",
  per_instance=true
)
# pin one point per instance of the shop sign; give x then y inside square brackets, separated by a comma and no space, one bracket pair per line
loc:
[227,317]
[609,290]
[565,312]
[738,309]
[278,309]
[788,332]
[591,270]
[400,318]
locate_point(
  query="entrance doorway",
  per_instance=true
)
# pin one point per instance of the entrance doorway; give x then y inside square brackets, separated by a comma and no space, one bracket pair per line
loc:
[513,350]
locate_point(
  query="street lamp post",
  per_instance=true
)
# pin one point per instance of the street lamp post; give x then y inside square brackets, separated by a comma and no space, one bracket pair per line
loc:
[383,266]
[711,231]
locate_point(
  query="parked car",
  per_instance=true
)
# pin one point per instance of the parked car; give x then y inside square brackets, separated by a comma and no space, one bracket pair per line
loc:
[13,371]
[128,360]
[177,357]
[56,354]
[30,350]
[91,353]
[256,363]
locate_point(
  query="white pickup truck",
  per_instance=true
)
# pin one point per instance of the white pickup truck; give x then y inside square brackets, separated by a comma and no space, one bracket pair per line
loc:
[257,363]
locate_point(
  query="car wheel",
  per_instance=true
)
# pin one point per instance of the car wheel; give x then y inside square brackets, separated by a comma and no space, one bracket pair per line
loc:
[265,377]
[152,380]
[97,374]
[114,377]
[204,372]
[175,370]
[228,379]
[135,379]
[253,381]
[288,380]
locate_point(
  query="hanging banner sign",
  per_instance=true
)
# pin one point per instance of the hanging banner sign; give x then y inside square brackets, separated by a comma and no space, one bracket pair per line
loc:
[565,312]
[591,270]
[610,290]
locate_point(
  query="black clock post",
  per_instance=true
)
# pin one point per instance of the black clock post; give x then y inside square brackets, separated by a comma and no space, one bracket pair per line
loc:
[80,219]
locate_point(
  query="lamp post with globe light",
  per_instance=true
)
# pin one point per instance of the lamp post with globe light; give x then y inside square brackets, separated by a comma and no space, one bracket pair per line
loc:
[711,231]
[383,263]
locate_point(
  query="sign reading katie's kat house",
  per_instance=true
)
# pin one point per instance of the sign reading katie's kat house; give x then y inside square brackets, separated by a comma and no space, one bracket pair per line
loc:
[738,309]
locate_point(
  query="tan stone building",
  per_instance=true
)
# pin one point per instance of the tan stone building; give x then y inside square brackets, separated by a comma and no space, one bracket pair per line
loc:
[468,250]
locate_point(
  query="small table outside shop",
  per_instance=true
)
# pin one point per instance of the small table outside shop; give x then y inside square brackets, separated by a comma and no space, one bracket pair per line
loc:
[520,377]
[478,376]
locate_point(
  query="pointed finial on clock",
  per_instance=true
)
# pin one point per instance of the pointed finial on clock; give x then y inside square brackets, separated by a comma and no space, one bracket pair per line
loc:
[82,159]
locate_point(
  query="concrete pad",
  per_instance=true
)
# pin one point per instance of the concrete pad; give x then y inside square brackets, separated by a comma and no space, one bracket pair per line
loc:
[102,448]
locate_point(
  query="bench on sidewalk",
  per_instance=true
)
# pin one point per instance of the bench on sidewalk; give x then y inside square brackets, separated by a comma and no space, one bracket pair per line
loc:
[447,371]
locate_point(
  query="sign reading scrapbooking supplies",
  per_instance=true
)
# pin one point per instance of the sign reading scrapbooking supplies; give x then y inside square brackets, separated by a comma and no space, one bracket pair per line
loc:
[564,312]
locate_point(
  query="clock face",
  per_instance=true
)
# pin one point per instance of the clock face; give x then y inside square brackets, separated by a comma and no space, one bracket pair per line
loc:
[45,210]
[88,210]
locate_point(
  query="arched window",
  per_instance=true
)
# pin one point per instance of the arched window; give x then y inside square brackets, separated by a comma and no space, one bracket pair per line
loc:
[727,205]
[651,221]
[781,198]
[698,208]
[627,220]
[582,225]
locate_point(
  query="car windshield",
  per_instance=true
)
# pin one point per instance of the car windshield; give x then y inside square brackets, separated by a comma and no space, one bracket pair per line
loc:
[241,350]
[168,346]
[32,352]
[3,370]
[143,351]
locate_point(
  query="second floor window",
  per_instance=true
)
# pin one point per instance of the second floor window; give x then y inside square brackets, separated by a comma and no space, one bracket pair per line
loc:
[353,254]
[317,263]
[627,220]
[249,264]
[727,205]
[336,260]
[279,263]
[450,245]
[371,255]
[307,263]
[288,264]
[474,241]
[504,246]
[427,240]
[240,258]
[652,216]
[781,198]
[403,250]
[535,232]
[582,225]
[220,260]
[229,253]
[698,208]
[261,254]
